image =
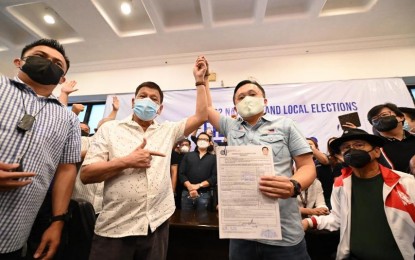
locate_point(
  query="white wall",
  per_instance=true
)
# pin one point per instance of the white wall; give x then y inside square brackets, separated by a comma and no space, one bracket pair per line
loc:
[357,64]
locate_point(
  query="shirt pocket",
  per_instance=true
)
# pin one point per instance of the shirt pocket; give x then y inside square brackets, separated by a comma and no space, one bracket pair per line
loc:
[237,137]
[276,141]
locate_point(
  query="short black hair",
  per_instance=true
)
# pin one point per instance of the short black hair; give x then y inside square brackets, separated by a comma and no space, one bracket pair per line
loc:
[184,141]
[52,43]
[376,109]
[265,148]
[410,112]
[152,85]
[244,82]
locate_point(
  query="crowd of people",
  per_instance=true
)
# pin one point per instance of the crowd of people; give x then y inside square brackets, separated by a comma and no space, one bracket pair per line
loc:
[137,171]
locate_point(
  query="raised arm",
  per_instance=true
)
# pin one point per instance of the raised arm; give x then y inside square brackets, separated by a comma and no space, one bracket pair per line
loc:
[213,114]
[68,87]
[321,157]
[201,115]
[115,108]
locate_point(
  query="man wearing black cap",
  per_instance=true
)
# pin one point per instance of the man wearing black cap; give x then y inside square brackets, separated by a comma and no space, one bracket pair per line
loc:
[399,145]
[373,206]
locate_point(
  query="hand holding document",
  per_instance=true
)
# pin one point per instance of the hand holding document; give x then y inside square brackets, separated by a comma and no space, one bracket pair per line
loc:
[244,211]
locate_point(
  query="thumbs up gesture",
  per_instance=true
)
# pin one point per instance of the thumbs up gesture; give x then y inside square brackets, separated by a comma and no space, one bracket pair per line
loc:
[140,157]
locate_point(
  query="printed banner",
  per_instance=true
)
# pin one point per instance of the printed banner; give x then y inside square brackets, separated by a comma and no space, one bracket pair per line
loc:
[314,106]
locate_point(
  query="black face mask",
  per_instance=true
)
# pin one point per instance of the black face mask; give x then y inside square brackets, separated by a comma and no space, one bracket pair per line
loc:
[357,158]
[42,71]
[386,123]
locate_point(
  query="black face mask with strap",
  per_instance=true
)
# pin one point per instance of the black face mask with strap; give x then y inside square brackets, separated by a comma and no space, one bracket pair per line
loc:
[42,70]
[386,123]
[357,158]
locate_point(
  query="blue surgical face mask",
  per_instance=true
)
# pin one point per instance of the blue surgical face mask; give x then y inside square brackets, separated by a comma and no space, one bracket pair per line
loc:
[145,109]
[406,126]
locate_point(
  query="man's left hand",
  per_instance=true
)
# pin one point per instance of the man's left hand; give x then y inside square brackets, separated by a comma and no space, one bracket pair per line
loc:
[276,186]
[50,242]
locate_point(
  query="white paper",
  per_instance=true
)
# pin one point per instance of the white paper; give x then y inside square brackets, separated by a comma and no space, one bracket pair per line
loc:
[244,212]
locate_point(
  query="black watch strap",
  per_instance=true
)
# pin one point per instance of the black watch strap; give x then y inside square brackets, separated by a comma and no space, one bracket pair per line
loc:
[63,217]
[297,188]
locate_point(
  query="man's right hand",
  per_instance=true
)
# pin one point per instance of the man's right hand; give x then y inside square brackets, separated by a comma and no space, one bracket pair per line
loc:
[140,157]
[10,180]
[115,103]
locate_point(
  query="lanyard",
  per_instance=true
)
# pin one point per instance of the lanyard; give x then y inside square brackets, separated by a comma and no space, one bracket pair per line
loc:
[304,200]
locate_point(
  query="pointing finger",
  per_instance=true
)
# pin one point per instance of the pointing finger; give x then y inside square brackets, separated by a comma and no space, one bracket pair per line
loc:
[157,153]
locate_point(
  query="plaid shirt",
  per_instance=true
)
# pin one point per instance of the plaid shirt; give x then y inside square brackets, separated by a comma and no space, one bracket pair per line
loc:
[53,139]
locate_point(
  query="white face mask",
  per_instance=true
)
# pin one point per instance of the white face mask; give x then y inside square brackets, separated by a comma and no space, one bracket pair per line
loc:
[202,144]
[250,106]
[184,149]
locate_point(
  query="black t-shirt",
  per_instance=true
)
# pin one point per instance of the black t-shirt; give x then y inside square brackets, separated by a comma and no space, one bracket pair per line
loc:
[176,158]
[399,153]
[370,235]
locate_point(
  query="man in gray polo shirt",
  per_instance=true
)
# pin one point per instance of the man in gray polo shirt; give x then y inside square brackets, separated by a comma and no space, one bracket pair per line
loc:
[288,144]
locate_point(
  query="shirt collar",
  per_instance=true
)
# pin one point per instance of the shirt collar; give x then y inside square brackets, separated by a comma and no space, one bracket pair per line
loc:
[265,117]
[21,85]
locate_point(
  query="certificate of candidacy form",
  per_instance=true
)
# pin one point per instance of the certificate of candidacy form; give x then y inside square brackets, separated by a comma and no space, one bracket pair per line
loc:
[244,212]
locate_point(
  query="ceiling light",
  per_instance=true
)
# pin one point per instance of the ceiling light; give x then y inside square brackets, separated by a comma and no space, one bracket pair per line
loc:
[126,8]
[49,19]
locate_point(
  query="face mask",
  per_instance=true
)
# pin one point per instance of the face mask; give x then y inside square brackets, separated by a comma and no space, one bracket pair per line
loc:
[42,71]
[357,158]
[202,144]
[250,106]
[184,149]
[386,123]
[406,127]
[145,109]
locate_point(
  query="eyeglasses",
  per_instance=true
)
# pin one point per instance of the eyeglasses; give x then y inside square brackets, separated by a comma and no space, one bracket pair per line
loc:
[356,145]
[383,114]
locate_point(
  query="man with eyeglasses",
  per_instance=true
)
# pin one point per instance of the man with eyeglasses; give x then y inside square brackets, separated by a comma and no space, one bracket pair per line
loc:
[372,206]
[399,146]
[197,174]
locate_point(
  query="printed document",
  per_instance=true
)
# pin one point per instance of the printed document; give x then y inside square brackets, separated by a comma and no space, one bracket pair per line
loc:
[244,212]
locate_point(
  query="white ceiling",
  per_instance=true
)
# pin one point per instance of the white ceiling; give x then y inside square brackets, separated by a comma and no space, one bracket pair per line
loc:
[98,37]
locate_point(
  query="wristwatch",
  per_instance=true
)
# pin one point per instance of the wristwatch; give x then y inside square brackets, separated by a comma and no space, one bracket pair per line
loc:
[64,217]
[297,188]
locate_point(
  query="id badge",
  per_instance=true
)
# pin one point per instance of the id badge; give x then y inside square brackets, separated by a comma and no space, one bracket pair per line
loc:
[26,122]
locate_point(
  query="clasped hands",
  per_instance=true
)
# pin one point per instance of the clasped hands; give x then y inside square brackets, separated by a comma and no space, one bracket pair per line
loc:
[201,70]
[192,188]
